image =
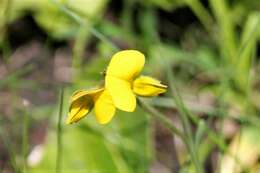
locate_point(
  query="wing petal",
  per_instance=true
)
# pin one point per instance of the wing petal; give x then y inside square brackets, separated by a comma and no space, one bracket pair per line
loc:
[104,108]
[121,93]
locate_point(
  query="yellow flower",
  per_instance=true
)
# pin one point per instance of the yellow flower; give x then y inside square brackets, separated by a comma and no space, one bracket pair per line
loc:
[121,81]
[121,87]
[83,101]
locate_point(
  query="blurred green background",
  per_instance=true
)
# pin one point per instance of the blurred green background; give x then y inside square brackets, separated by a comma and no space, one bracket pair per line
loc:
[211,46]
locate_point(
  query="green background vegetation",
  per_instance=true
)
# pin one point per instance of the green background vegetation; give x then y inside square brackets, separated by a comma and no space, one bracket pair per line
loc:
[206,51]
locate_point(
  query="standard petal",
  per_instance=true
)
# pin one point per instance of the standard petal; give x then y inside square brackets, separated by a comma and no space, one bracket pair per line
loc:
[126,64]
[79,109]
[148,86]
[121,93]
[104,108]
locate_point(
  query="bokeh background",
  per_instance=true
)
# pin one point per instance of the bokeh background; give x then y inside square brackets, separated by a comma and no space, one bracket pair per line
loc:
[52,45]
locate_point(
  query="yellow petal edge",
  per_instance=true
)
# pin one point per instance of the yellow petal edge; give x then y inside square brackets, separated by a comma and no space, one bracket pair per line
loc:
[126,64]
[104,108]
[147,86]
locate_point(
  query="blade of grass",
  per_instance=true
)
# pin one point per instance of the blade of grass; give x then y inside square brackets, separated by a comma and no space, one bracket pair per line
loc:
[227,41]
[184,116]
[214,137]
[246,51]
[59,133]
[84,24]
[25,141]
[178,103]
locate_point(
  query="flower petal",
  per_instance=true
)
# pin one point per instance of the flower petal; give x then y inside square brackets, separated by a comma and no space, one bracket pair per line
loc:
[121,93]
[79,109]
[81,102]
[80,93]
[126,64]
[104,108]
[148,86]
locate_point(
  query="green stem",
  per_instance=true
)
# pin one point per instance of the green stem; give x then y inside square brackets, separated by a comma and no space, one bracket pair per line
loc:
[168,124]
[184,115]
[59,134]
[165,121]
[25,141]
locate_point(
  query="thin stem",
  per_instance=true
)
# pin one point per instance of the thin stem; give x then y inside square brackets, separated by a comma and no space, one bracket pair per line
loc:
[59,133]
[184,115]
[165,121]
[25,141]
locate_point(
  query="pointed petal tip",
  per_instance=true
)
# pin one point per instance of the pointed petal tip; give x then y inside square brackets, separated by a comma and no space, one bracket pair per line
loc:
[147,86]
[69,121]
